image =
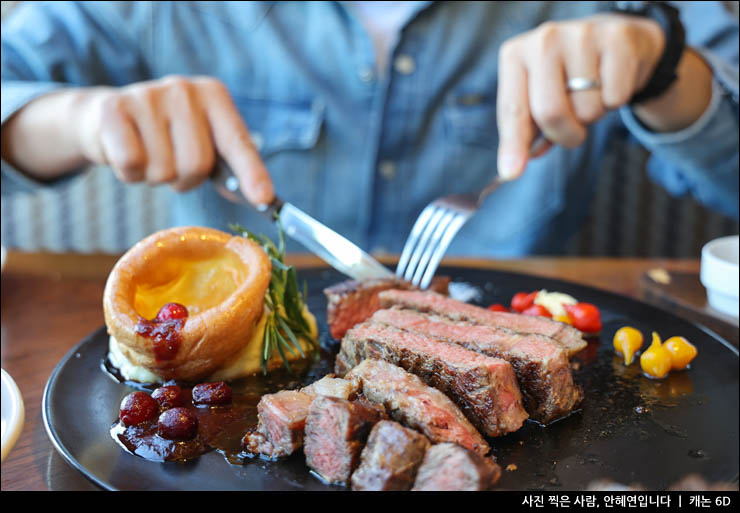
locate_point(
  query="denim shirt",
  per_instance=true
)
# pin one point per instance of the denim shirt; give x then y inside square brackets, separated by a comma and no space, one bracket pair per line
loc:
[361,152]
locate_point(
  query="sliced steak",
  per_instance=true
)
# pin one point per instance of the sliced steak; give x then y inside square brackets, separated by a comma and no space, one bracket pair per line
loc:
[410,401]
[282,419]
[390,459]
[336,431]
[351,302]
[449,467]
[282,416]
[341,365]
[483,387]
[541,366]
[332,387]
[567,336]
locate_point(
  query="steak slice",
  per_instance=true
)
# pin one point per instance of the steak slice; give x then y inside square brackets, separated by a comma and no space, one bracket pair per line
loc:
[543,371]
[390,459]
[567,336]
[484,388]
[351,302]
[336,430]
[410,401]
[449,467]
[282,417]
[332,387]
[341,365]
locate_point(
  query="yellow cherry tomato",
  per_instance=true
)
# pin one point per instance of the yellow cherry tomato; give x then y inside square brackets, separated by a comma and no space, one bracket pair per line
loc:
[682,352]
[563,318]
[656,360]
[627,341]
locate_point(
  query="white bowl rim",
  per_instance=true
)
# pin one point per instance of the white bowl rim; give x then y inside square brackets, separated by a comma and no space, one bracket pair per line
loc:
[16,416]
[720,276]
[712,246]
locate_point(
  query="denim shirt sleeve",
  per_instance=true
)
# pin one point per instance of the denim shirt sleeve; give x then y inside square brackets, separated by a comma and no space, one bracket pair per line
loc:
[702,159]
[47,46]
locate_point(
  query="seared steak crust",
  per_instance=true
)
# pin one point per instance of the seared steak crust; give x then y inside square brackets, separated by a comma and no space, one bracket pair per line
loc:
[567,336]
[410,401]
[390,459]
[484,388]
[449,467]
[336,430]
[351,302]
[541,366]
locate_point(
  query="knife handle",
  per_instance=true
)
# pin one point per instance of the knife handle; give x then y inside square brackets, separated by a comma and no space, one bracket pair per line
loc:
[227,185]
[271,210]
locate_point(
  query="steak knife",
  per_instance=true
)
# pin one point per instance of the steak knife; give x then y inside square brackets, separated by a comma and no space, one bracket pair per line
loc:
[336,250]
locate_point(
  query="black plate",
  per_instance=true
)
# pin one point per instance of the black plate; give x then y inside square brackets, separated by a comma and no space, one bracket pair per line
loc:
[630,429]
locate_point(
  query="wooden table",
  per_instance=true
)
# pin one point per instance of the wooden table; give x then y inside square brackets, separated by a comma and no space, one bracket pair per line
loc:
[50,302]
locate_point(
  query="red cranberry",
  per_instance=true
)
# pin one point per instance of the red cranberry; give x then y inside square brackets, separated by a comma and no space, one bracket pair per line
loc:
[171,311]
[177,424]
[138,407]
[212,394]
[169,396]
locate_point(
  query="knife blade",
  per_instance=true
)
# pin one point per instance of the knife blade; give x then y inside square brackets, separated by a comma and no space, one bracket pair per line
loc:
[336,250]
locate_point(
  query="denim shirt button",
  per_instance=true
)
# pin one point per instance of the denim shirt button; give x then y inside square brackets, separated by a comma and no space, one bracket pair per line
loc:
[404,64]
[387,169]
[366,74]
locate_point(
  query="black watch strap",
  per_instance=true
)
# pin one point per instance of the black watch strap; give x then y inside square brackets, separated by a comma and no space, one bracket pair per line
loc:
[675,43]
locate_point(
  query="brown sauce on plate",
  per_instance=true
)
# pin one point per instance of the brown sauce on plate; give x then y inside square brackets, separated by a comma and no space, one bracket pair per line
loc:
[220,428]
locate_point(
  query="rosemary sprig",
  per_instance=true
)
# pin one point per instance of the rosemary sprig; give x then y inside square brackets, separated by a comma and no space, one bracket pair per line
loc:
[285,323]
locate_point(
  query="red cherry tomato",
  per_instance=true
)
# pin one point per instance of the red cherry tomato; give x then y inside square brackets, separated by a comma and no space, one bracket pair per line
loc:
[498,308]
[585,316]
[523,300]
[538,310]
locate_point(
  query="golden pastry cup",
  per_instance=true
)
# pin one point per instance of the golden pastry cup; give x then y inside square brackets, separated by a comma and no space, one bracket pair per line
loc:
[217,327]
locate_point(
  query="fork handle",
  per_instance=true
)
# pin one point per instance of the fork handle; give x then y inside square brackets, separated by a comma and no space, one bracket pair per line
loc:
[537,146]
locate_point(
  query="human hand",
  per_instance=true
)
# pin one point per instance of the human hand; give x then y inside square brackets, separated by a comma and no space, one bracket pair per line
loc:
[170,131]
[618,51]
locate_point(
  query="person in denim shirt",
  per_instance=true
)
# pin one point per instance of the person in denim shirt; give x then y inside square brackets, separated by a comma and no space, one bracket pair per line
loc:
[297,100]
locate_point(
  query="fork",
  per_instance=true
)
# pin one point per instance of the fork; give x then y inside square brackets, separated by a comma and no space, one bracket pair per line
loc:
[433,232]
[438,224]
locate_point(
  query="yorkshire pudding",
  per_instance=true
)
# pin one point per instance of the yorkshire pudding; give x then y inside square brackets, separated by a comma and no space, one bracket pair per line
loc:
[221,279]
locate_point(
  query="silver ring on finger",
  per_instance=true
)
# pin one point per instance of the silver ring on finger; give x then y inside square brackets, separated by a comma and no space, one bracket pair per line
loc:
[583,84]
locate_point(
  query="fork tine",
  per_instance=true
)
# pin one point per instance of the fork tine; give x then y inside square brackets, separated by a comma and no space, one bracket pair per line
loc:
[419,249]
[416,232]
[449,234]
[432,246]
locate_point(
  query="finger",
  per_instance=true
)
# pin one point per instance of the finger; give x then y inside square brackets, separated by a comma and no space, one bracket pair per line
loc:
[619,68]
[153,125]
[121,144]
[539,147]
[515,126]
[582,61]
[550,104]
[232,141]
[191,138]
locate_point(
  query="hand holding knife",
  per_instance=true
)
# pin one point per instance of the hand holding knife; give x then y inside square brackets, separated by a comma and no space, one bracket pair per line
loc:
[336,250]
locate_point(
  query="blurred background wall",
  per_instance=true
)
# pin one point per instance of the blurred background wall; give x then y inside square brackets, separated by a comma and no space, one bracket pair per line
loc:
[630,216]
